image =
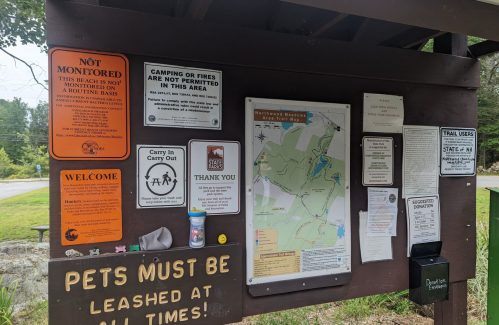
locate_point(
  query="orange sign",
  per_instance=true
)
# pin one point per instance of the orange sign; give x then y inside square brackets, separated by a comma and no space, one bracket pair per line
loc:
[90,206]
[89,105]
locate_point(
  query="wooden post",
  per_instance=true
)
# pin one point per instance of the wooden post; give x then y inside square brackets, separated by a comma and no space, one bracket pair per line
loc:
[454,310]
[453,44]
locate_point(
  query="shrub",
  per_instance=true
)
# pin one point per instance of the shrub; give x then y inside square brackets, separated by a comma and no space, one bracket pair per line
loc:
[7,302]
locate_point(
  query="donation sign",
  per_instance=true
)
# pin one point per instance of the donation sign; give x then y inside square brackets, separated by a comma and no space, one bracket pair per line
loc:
[214,176]
[423,220]
[457,152]
[383,113]
[297,190]
[90,206]
[89,105]
[377,161]
[182,97]
[160,176]
[177,286]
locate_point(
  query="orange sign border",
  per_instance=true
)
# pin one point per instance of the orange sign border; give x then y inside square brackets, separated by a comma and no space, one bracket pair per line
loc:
[51,103]
[65,216]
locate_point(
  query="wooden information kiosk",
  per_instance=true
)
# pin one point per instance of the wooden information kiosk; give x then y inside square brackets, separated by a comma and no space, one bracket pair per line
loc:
[155,74]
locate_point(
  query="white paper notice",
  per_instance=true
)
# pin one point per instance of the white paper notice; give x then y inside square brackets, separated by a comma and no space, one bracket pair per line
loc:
[377,161]
[383,113]
[214,176]
[458,152]
[382,211]
[182,97]
[423,214]
[161,176]
[420,169]
[373,248]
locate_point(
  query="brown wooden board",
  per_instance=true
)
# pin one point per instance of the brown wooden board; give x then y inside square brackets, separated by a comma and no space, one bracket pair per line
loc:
[80,26]
[193,291]
[467,17]
[268,65]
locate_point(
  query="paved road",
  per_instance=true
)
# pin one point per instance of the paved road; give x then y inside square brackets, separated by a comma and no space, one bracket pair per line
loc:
[487,181]
[15,188]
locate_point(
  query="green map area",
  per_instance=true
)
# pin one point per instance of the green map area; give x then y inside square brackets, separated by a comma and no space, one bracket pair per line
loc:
[312,177]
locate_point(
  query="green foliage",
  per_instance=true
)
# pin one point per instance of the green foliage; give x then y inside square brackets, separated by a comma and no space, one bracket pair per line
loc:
[359,308]
[7,302]
[35,314]
[5,164]
[22,20]
[297,316]
[23,139]
[38,127]
[33,156]
[13,123]
[477,287]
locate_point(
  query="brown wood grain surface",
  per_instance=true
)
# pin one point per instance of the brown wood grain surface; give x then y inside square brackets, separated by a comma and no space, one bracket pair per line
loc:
[267,65]
[123,31]
[190,291]
[453,311]
[466,17]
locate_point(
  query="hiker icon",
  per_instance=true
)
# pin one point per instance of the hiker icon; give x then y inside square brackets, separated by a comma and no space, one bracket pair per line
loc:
[166,179]
[161,179]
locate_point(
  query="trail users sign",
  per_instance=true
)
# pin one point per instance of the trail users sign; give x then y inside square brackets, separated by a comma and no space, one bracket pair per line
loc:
[457,152]
[160,176]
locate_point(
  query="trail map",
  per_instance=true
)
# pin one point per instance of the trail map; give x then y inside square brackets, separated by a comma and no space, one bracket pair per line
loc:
[299,202]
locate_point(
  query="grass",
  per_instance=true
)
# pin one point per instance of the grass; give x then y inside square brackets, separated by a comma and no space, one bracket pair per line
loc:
[36,314]
[7,302]
[477,287]
[19,213]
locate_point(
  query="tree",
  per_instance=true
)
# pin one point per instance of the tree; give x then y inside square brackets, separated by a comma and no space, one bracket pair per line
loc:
[13,124]
[31,157]
[488,110]
[38,128]
[22,21]
[4,164]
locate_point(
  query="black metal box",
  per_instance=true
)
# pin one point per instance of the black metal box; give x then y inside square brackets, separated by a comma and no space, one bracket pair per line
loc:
[428,274]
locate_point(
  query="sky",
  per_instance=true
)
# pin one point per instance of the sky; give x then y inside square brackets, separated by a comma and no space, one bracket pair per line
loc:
[16,79]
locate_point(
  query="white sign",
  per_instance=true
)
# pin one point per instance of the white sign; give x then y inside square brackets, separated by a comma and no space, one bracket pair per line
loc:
[214,173]
[377,165]
[182,97]
[373,248]
[382,205]
[492,2]
[457,152]
[423,220]
[297,190]
[160,176]
[383,113]
[420,169]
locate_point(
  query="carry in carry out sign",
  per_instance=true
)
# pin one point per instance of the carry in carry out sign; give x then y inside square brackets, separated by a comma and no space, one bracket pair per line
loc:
[160,176]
